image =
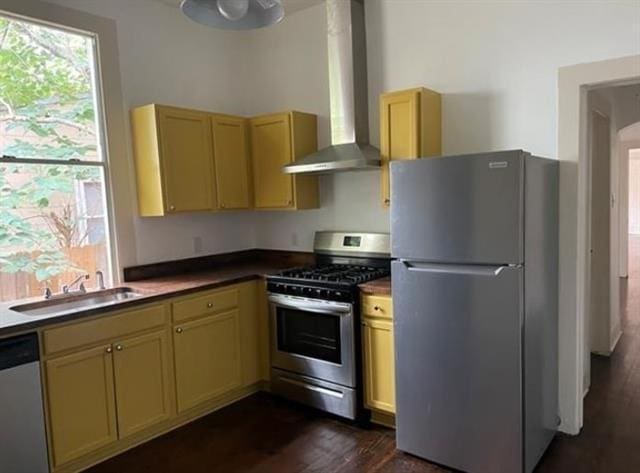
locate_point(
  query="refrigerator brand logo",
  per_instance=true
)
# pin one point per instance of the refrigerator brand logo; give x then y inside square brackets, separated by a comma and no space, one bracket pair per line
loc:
[498,165]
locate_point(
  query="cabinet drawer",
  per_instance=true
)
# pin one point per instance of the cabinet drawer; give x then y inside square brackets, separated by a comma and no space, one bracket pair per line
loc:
[106,328]
[208,303]
[377,306]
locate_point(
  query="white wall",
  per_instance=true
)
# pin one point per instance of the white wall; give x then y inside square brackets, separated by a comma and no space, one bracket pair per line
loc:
[290,71]
[166,58]
[495,63]
[626,101]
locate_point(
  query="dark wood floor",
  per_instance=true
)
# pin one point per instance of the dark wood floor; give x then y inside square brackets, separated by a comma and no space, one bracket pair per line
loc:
[263,434]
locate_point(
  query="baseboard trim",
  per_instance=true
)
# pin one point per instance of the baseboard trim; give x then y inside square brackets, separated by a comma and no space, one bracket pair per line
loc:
[616,339]
[384,419]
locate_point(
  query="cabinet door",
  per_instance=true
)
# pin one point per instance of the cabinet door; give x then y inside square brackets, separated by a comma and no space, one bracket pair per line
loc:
[270,151]
[377,339]
[187,160]
[207,358]
[399,132]
[81,401]
[230,149]
[141,367]
[250,333]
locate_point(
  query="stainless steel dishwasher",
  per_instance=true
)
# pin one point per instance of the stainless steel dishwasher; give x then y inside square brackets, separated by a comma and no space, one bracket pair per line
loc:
[23,445]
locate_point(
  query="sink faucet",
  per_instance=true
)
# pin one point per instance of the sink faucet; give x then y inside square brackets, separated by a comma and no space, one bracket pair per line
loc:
[66,289]
[100,279]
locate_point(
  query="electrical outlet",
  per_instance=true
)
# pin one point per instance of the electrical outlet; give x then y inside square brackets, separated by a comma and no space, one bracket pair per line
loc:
[197,245]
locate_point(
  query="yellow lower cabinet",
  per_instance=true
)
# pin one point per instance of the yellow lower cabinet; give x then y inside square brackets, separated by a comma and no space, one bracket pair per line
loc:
[207,358]
[250,333]
[81,403]
[264,345]
[377,339]
[142,382]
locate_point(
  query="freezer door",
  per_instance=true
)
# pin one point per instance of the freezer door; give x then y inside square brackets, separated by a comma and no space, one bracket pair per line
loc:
[459,209]
[457,341]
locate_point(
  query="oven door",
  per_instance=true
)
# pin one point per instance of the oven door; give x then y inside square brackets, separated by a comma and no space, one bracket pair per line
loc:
[314,338]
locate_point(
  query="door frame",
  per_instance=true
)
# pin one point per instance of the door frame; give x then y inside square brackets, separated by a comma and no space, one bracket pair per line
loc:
[573,83]
[605,111]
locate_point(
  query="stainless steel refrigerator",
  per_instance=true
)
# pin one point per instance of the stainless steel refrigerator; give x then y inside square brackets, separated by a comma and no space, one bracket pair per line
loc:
[474,283]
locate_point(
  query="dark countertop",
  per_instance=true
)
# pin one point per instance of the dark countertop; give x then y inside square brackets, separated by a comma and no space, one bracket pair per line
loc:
[377,287]
[152,289]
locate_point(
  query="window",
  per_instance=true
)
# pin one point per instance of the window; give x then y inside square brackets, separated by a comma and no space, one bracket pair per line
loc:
[54,223]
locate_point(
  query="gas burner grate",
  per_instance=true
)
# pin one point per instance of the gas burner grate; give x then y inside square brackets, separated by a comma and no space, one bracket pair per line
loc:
[338,273]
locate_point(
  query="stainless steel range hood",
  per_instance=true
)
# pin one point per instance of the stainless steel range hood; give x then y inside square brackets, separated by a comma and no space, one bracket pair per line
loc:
[350,149]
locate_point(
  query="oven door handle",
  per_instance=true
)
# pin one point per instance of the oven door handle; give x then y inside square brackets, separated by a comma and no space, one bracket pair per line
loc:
[312,387]
[310,306]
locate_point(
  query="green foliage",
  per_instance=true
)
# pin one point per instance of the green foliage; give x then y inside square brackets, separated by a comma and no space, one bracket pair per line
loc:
[45,97]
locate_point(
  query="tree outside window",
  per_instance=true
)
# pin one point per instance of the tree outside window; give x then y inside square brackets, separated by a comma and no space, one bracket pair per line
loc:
[53,223]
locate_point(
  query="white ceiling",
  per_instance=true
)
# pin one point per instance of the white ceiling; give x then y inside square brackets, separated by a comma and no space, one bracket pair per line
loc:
[290,6]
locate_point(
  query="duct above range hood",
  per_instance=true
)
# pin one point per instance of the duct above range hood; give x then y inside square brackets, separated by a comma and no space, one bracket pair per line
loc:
[350,149]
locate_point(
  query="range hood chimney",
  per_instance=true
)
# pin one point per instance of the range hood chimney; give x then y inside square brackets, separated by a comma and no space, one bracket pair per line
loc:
[347,47]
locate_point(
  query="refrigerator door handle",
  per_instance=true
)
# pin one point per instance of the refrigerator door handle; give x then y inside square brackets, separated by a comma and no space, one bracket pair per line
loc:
[468,269]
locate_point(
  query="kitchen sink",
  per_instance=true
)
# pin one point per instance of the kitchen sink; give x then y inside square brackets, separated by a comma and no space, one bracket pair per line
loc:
[76,303]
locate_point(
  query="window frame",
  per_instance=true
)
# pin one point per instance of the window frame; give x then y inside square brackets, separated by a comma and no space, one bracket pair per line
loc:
[102,141]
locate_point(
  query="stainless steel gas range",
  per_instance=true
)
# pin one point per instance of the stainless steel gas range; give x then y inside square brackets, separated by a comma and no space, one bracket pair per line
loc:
[315,312]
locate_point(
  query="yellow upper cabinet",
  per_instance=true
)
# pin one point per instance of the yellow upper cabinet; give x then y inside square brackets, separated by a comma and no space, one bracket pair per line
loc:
[410,128]
[188,160]
[174,160]
[231,158]
[277,140]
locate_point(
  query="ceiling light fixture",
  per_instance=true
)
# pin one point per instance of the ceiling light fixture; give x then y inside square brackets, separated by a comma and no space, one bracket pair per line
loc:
[234,14]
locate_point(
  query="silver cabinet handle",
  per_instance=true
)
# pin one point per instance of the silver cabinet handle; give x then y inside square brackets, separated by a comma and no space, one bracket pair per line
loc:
[172,207]
[118,347]
[209,305]
[109,349]
[179,330]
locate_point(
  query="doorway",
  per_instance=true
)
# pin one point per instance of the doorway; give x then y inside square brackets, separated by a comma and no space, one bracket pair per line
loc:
[574,83]
[609,109]
[600,294]
[630,231]
[629,154]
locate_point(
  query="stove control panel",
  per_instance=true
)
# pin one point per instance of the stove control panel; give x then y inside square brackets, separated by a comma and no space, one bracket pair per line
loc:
[327,294]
